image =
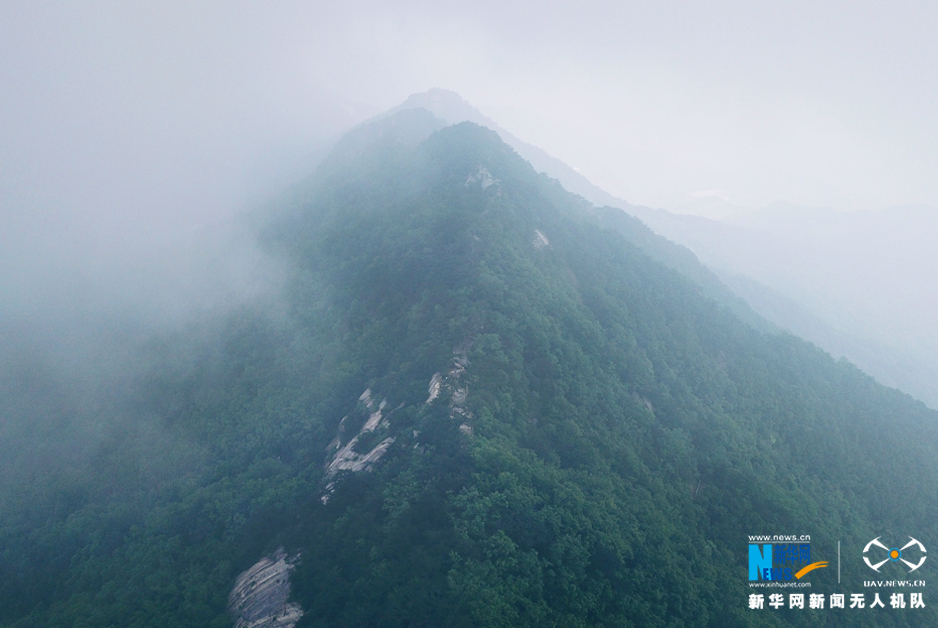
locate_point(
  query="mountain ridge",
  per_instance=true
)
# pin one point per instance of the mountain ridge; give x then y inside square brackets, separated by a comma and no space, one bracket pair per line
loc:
[451,108]
[726,259]
[713,473]
[581,436]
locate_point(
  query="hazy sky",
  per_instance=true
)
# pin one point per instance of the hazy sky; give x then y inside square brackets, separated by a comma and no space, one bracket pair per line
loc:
[122,120]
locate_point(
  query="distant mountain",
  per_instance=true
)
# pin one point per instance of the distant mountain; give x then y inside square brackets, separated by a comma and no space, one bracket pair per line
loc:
[858,284]
[477,404]
[884,318]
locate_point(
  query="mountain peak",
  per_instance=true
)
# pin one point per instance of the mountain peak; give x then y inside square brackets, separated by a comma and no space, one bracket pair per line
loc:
[568,433]
[452,108]
[446,105]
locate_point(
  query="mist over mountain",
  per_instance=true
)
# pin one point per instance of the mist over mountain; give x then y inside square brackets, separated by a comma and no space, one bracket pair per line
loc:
[859,284]
[856,284]
[473,401]
[270,358]
[450,107]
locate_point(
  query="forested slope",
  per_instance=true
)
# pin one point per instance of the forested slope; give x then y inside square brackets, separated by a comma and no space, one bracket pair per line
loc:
[478,404]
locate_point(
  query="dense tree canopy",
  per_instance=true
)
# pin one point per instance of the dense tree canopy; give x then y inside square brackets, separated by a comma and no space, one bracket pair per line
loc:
[605,435]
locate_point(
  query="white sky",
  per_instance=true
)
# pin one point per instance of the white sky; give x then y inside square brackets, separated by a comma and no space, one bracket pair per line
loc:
[121,120]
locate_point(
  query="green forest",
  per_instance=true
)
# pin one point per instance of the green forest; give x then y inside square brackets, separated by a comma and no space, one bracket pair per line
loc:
[580,426]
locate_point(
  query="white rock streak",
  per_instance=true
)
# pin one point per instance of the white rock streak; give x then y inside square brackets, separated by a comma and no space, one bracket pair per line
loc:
[451,383]
[540,240]
[435,382]
[260,594]
[481,176]
[346,458]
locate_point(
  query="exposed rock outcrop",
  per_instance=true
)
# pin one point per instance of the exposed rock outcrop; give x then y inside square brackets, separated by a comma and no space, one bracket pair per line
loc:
[260,594]
[357,449]
[482,177]
[452,384]
[345,454]
[540,240]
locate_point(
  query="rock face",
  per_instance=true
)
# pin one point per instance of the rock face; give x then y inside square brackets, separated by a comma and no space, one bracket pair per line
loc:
[481,176]
[344,454]
[259,597]
[451,383]
[540,240]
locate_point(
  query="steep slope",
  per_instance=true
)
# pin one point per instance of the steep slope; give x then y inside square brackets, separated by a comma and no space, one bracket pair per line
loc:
[581,436]
[478,405]
[858,284]
[880,318]
[450,108]
[683,260]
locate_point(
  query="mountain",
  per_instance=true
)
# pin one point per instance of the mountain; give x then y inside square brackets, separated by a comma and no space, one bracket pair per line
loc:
[858,284]
[477,403]
[451,108]
[784,267]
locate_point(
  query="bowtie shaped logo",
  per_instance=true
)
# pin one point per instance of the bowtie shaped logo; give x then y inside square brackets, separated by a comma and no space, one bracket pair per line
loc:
[895,554]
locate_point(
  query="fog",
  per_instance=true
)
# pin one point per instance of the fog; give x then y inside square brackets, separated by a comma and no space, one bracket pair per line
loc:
[119,119]
[133,137]
[141,143]
[858,284]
